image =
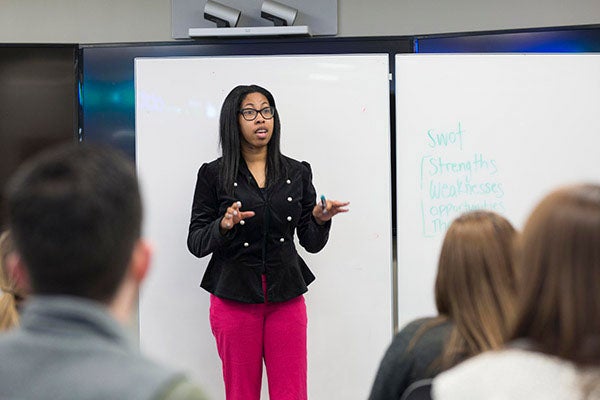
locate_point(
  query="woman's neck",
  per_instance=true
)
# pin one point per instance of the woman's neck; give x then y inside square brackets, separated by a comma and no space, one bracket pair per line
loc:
[254,155]
[257,164]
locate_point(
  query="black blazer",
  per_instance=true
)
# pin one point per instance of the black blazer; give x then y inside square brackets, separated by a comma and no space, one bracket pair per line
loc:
[264,244]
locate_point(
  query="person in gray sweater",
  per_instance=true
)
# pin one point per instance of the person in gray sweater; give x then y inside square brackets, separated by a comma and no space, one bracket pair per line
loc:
[75,217]
[474,294]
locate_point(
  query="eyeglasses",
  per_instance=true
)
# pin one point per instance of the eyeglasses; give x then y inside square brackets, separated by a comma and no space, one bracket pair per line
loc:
[250,114]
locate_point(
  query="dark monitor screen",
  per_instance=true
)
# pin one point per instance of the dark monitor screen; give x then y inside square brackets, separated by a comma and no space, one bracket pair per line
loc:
[38,103]
[108,96]
[551,40]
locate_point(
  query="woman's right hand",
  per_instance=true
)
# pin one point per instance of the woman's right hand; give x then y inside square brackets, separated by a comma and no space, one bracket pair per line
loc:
[233,215]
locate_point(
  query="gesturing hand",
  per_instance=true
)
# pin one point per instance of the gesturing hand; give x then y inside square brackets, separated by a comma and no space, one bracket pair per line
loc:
[233,215]
[332,208]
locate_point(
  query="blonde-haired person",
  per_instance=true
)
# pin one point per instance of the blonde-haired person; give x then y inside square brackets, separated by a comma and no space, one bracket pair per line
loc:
[475,295]
[554,351]
[10,295]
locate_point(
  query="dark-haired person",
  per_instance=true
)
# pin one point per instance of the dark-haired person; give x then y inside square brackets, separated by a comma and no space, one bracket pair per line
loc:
[75,214]
[247,205]
[554,348]
[475,297]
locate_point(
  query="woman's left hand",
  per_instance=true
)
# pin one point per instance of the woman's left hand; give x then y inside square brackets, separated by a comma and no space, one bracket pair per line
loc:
[333,207]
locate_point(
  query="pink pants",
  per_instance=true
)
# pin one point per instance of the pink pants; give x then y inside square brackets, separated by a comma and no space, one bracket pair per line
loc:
[247,333]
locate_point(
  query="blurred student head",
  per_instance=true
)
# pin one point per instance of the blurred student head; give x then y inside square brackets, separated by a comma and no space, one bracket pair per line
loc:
[74,213]
[475,285]
[10,293]
[75,217]
[559,259]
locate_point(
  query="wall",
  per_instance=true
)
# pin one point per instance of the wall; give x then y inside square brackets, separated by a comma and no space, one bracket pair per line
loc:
[89,21]
[84,21]
[406,17]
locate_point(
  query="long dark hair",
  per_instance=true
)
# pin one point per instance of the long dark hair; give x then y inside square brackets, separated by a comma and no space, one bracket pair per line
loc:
[229,133]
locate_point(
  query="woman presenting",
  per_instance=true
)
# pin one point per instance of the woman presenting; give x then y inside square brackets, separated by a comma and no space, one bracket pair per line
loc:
[247,206]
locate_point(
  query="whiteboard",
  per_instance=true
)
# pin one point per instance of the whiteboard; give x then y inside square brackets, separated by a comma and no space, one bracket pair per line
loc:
[494,131]
[334,114]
